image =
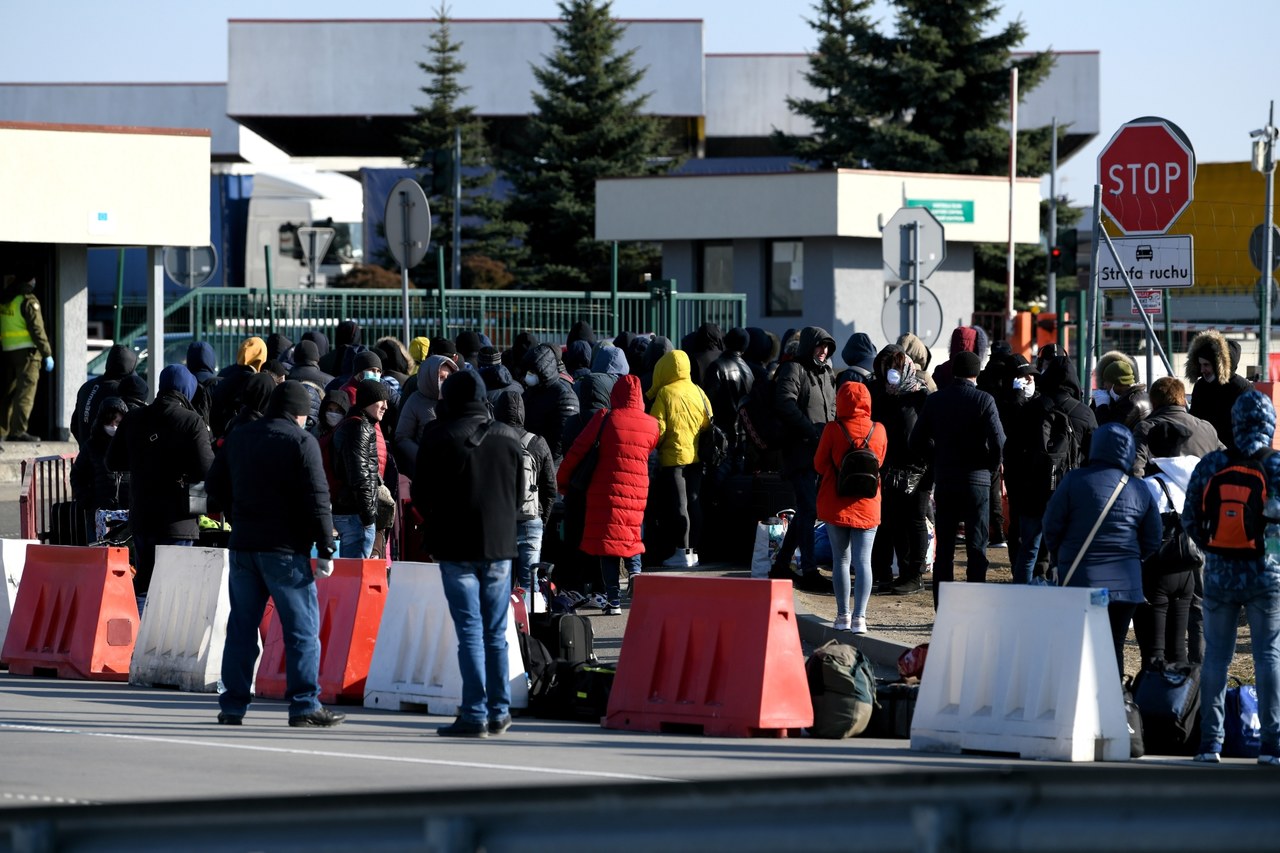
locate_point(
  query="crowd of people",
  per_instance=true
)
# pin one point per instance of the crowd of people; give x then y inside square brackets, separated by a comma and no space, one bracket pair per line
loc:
[610,448]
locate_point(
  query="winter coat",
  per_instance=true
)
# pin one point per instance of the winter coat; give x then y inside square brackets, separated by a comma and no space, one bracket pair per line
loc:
[681,409]
[859,354]
[93,484]
[270,480]
[705,346]
[804,400]
[610,360]
[1253,425]
[653,353]
[164,447]
[853,415]
[593,392]
[307,369]
[1026,479]
[728,382]
[1212,399]
[347,335]
[960,435]
[619,487]
[121,361]
[508,408]
[355,466]
[1130,533]
[963,339]
[897,408]
[419,409]
[498,381]
[473,517]
[549,403]
[1177,433]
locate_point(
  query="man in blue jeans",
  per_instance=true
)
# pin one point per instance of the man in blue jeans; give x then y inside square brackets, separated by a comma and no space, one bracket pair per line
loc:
[466,490]
[269,478]
[1235,583]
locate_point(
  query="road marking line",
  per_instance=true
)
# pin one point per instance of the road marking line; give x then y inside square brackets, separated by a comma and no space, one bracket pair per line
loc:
[396,759]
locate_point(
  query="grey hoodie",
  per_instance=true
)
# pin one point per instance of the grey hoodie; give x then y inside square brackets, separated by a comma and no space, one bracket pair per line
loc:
[420,407]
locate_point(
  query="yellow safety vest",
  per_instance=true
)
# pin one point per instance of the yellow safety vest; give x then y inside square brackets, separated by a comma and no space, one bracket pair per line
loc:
[14,334]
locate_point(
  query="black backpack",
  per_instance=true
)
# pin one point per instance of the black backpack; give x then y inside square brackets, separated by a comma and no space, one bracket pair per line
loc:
[859,473]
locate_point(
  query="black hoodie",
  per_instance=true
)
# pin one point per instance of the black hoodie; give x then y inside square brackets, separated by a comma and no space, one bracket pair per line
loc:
[549,403]
[508,408]
[121,360]
[347,335]
[804,397]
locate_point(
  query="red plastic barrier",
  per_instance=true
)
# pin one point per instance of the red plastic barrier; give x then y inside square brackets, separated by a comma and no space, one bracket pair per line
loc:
[351,603]
[75,615]
[720,656]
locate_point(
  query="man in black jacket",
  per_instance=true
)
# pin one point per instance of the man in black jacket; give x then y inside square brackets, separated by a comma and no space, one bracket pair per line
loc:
[121,360]
[959,430]
[466,489]
[270,478]
[728,383]
[357,472]
[165,448]
[804,399]
[1211,364]
[549,400]
[1170,430]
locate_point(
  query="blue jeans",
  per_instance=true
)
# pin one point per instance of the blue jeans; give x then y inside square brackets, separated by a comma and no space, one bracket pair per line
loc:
[287,580]
[851,545]
[609,569]
[1221,612]
[479,593]
[1030,528]
[355,540]
[528,551]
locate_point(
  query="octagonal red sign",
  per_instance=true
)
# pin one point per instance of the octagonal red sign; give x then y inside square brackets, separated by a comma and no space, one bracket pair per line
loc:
[1147,172]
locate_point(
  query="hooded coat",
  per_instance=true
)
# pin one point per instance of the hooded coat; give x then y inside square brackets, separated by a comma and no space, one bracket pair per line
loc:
[619,489]
[121,361]
[581,331]
[593,391]
[419,410]
[1130,533]
[508,408]
[853,415]
[1176,433]
[706,344]
[1212,399]
[306,365]
[514,357]
[1253,420]
[93,484]
[549,403]
[960,435]
[346,335]
[963,339]
[804,398]
[859,355]
[577,358]
[657,347]
[681,409]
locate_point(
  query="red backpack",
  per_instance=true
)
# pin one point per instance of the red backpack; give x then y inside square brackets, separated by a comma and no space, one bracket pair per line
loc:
[1231,508]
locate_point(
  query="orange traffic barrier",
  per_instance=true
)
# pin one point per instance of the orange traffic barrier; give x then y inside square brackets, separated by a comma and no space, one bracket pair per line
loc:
[75,615]
[716,656]
[351,604]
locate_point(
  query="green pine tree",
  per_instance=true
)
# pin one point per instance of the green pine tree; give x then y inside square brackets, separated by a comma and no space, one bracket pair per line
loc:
[587,125]
[491,243]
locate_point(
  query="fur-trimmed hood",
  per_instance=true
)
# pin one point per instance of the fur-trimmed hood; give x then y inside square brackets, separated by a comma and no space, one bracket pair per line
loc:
[1110,357]
[1213,346]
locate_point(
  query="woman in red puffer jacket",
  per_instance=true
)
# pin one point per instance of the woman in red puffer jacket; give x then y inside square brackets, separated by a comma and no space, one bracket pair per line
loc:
[851,522]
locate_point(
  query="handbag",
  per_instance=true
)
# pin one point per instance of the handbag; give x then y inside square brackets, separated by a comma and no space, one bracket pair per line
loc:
[713,446]
[1088,540]
[1177,551]
[197,500]
[580,479]
[903,481]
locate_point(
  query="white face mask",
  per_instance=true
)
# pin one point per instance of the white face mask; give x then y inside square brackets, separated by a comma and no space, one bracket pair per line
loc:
[110,430]
[1114,395]
[531,379]
[893,377]
[1019,383]
[333,418]
[1029,390]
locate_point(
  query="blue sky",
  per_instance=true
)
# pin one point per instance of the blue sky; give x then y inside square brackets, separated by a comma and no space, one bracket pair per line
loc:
[1207,66]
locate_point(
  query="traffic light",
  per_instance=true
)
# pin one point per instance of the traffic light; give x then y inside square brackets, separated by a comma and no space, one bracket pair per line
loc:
[442,172]
[1063,252]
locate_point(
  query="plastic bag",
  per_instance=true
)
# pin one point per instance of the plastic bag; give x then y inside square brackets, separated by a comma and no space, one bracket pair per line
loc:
[769,534]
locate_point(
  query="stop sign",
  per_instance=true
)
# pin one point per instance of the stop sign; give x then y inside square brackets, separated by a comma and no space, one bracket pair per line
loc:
[1146,171]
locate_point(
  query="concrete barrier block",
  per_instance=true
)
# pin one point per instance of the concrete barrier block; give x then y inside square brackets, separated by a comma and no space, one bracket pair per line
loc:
[184,626]
[13,555]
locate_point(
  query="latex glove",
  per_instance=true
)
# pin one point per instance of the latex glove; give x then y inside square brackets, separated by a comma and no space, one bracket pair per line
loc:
[324,567]
[48,364]
[1101,397]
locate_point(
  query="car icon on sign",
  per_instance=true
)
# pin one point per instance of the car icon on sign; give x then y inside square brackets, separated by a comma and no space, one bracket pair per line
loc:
[1145,253]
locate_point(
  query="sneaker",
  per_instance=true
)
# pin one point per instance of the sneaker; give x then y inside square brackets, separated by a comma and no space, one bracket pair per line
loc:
[500,726]
[1209,758]
[1000,544]
[683,558]
[908,587]
[1271,760]
[858,625]
[614,609]
[320,718]
[841,623]
[230,719]
[813,582]
[883,588]
[462,728]
[692,556]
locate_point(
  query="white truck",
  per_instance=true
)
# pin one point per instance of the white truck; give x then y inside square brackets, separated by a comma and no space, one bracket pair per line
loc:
[285,199]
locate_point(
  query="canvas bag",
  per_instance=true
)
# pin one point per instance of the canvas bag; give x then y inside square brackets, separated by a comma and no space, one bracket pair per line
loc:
[842,686]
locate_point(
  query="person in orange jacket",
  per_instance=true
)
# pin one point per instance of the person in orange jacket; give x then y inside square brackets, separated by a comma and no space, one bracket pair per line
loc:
[851,522]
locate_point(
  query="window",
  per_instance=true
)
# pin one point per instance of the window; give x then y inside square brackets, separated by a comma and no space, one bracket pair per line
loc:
[717,268]
[784,284]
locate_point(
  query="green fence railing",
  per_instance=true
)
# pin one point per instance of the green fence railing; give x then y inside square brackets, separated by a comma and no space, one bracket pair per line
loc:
[225,316]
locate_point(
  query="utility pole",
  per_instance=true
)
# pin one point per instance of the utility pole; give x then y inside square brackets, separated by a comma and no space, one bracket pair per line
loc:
[1264,161]
[457,208]
[1051,290]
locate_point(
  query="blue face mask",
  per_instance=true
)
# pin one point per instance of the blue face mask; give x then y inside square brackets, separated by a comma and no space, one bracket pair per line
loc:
[371,374]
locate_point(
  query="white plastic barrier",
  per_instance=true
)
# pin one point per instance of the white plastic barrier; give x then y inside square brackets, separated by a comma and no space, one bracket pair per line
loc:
[13,556]
[415,661]
[1021,669]
[184,625]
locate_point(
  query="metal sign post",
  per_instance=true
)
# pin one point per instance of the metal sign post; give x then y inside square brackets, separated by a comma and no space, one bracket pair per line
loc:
[408,224]
[913,246]
[315,243]
[1264,161]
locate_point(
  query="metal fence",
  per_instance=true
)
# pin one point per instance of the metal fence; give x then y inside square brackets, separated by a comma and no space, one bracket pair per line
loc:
[224,316]
[45,508]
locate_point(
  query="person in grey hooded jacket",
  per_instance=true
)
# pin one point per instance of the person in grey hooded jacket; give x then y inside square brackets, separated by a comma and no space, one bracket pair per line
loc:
[420,409]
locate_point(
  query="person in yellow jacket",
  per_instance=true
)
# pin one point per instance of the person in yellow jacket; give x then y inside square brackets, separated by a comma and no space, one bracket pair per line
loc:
[25,350]
[683,412]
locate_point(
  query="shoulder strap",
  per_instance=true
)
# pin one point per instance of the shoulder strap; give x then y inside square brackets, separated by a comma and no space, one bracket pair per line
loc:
[1088,540]
[1164,487]
[600,431]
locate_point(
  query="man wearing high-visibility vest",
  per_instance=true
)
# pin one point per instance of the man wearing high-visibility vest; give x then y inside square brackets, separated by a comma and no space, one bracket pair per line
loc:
[25,350]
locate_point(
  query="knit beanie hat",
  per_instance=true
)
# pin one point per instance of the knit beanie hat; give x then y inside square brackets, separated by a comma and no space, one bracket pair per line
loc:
[1119,373]
[291,399]
[367,360]
[489,356]
[370,391]
[306,352]
[966,365]
[445,347]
